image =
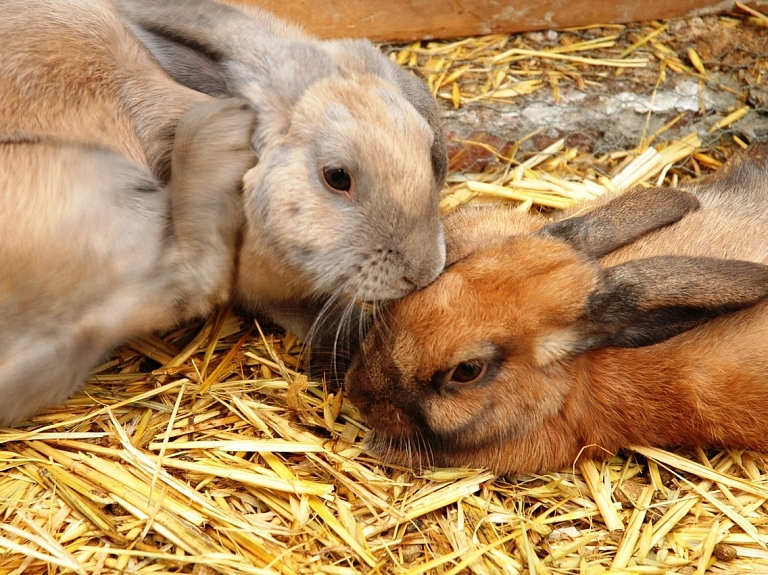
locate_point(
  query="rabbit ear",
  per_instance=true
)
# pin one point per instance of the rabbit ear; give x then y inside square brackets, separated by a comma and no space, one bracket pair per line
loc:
[188,66]
[622,220]
[647,301]
[362,57]
[197,40]
[219,50]
[417,93]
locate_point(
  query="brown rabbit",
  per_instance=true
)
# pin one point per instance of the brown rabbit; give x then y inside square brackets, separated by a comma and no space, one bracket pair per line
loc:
[529,351]
[131,202]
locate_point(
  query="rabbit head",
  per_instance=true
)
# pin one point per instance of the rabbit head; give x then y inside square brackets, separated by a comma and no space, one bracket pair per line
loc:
[480,367]
[344,196]
[344,199]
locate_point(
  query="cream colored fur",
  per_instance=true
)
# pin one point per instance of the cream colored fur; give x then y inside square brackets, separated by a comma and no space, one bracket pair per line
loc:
[131,202]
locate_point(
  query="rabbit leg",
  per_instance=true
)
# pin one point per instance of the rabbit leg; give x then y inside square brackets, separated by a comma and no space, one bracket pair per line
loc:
[84,258]
[211,153]
[44,368]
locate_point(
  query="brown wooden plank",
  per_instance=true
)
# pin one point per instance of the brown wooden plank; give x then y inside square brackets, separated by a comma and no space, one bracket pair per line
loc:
[424,19]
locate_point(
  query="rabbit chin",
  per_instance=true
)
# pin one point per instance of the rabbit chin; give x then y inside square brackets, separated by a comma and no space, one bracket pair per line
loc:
[261,280]
[419,452]
[413,452]
[500,457]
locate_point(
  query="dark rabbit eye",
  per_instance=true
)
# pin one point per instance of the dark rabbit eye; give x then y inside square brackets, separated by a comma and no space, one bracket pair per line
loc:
[338,179]
[467,372]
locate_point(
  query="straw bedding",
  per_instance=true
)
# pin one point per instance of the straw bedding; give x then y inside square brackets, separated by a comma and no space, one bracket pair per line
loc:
[207,451]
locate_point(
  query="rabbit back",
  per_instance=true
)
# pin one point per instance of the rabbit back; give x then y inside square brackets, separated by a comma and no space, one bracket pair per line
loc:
[82,238]
[72,72]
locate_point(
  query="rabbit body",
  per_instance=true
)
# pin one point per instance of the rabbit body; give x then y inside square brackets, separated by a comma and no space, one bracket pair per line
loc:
[132,202]
[542,343]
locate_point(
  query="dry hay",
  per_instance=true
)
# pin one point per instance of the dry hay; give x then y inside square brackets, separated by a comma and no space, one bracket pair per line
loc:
[206,451]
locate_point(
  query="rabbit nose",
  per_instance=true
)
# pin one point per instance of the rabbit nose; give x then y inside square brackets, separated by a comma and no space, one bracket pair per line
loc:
[410,285]
[420,276]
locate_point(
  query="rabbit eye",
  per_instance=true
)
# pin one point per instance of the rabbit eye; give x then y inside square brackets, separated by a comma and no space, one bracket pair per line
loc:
[338,179]
[467,372]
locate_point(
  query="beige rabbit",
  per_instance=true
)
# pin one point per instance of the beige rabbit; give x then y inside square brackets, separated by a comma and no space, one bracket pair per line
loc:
[131,202]
[528,352]
[327,109]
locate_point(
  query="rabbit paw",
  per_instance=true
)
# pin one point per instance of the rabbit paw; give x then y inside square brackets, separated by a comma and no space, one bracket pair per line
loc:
[211,154]
[214,141]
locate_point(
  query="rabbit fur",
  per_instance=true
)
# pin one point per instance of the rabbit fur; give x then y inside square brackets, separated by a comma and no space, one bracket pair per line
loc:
[132,202]
[639,321]
[357,110]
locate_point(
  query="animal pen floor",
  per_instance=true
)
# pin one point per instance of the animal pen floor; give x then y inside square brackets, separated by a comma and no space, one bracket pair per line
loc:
[206,451]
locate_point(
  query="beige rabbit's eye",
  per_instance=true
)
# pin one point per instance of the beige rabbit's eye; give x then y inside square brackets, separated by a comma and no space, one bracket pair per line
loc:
[338,180]
[467,372]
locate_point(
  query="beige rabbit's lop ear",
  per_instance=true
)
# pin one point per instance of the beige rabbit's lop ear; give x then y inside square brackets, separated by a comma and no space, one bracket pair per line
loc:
[218,49]
[418,94]
[362,57]
[190,40]
[190,67]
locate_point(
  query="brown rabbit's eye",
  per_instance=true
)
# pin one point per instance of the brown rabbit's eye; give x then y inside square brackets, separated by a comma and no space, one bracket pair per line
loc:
[467,372]
[338,179]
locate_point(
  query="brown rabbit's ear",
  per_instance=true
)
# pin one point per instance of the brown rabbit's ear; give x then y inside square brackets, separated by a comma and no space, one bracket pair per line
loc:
[647,301]
[622,220]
